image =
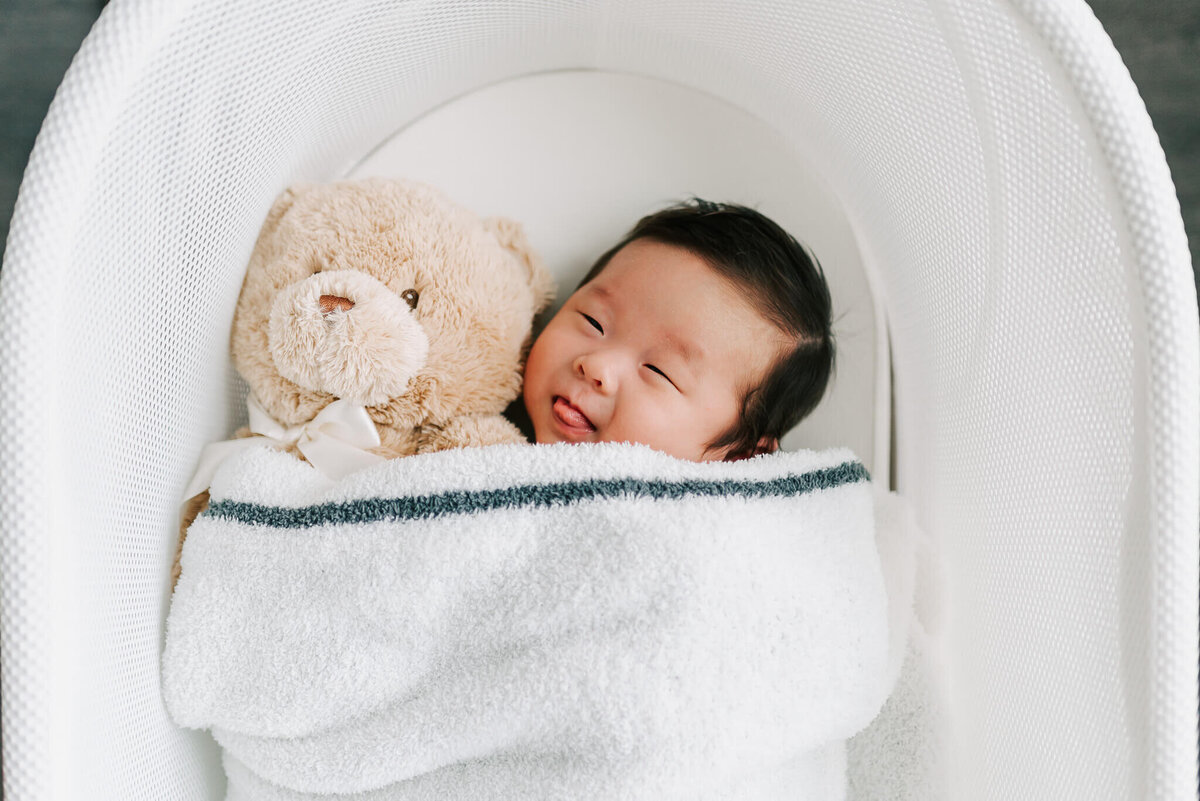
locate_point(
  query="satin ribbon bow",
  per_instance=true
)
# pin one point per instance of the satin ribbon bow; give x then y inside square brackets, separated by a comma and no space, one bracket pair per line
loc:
[334,442]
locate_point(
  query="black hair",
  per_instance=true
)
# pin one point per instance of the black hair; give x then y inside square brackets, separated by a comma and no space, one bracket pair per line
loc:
[784,282]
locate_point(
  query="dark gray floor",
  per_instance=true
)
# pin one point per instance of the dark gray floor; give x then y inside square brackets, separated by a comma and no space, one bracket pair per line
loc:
[1158,39]
[37,41]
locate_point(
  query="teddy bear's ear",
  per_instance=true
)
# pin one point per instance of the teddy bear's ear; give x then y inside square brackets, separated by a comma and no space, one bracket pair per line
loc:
[284,201]
[512,236]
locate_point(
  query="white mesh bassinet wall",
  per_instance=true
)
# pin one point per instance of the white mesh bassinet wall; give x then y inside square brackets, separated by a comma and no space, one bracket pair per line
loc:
[1010,202]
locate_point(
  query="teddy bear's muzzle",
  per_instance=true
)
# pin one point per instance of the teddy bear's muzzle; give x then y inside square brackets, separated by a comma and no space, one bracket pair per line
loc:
[332,303]
[346,333]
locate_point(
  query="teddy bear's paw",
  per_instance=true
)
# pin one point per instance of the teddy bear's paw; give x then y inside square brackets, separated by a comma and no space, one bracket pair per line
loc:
[346,333]
[471,431]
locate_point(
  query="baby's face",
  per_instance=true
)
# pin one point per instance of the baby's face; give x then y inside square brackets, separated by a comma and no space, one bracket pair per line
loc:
[657,349]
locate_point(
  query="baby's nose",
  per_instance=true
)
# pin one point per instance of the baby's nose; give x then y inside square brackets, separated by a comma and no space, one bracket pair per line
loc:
[597,370]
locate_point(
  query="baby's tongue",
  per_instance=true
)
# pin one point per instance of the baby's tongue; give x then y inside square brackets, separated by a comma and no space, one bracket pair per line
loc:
[572,415]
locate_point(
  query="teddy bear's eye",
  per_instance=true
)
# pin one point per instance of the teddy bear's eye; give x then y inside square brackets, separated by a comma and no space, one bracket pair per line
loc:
[410,296]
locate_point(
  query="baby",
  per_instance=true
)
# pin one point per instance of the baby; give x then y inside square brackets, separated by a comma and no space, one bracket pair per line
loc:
[705,333]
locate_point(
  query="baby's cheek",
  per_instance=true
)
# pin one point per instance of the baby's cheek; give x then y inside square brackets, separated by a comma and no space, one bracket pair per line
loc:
[661,428]
[532,375]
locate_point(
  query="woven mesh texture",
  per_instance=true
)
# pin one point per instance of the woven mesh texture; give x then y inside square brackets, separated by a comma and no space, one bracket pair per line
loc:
[1168,381]
[1009,196]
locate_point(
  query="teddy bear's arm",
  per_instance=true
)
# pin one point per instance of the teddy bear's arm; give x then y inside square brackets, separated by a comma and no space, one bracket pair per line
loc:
[472,431]
[192,508]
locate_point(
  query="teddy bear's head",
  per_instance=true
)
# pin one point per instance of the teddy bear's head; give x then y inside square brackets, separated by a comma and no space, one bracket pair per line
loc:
[388,294]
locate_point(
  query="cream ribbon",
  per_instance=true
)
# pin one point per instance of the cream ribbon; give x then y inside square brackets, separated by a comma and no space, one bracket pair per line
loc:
[334,442]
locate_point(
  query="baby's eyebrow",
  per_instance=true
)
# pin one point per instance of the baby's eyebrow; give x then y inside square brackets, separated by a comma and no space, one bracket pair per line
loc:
[599,290]
[690,353]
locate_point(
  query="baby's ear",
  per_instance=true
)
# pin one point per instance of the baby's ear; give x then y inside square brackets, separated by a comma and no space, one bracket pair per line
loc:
[511,235]
[765,445]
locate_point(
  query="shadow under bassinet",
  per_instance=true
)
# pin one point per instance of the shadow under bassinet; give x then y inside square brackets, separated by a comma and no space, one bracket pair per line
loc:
[1028,368]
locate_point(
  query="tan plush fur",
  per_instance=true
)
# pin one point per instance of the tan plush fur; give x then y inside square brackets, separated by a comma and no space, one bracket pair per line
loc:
[432,377]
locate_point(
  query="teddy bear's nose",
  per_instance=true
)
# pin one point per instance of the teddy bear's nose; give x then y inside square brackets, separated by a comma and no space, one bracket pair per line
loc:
[331,303]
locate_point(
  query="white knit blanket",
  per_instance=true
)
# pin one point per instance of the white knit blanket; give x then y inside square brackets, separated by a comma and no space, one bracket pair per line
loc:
[521,622]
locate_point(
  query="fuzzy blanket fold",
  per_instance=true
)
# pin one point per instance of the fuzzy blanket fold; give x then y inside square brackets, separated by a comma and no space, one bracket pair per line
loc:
[565,621]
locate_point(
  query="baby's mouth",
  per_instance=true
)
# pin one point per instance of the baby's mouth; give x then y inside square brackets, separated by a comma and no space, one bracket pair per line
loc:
[570,416]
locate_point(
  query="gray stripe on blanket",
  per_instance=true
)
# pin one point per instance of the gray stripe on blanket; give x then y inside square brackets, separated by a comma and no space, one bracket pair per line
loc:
[444,504]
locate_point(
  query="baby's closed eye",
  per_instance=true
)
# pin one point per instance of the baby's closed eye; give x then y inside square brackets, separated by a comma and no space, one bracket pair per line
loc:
[660,372]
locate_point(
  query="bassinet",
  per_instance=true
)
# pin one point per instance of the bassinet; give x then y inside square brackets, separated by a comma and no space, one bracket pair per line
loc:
[1032,382]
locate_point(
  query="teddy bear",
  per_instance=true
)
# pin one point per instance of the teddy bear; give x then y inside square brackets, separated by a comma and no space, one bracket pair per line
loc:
[384,297]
